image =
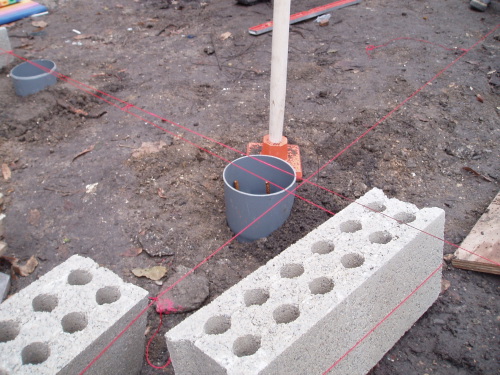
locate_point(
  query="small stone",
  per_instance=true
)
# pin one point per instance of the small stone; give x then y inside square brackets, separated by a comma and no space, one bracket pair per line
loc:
[154,245]
[188,295]
[411,163]
[209,50]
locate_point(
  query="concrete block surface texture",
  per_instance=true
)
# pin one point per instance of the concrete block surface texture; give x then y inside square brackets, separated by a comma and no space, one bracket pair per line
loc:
[62,321]
[337,300]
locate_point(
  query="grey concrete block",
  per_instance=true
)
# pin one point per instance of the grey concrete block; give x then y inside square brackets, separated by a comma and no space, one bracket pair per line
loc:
[62,321]
[5,58]
[4,285]
[306,308]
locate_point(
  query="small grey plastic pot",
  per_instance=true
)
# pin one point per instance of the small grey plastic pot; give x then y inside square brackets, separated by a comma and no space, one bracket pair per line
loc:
[251,200]
[30,77]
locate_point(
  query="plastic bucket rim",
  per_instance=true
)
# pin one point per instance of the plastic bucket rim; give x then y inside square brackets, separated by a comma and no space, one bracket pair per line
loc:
[285,189]
[41,75]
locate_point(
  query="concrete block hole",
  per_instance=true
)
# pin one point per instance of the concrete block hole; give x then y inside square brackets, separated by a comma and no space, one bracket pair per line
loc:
[108,294]
[350,226]
[376,206]
[246,345]
[79,277]
[286,314]
[217,325]
[352,260]
[405,217]
[9,329]
[256,297]
[44,302]
[321,285]
[74,322]
[290,271]
[35,353]
[381,237]
[322,247]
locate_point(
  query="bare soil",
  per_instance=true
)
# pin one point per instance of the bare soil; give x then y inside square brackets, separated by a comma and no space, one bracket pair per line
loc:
[169,59]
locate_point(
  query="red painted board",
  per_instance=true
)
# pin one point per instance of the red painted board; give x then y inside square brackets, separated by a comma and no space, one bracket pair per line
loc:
[301,16]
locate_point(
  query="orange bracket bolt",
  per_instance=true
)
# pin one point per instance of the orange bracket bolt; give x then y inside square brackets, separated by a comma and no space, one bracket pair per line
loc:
[282,150]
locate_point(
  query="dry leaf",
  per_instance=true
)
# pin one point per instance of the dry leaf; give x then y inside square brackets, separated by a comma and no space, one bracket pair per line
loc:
[153,273]
[84,152]
[445,284]
[80,112]
[225,35]
[72,109]
[27,268]
[34,217]
[477,174]
[6,172]
[148,148]
[161,193]
[132,252]
[82,36]
[40,24]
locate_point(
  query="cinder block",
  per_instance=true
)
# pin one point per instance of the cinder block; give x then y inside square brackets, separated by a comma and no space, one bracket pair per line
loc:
[306,308]
[62,321]
[5,58]
[4,285]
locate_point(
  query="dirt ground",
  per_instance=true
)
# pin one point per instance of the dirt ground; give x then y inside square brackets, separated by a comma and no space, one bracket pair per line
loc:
[170,58]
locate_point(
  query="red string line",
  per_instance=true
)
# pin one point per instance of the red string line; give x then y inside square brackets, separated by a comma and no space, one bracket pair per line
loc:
[151,339]
[186,275]
[115,339]
[407,224]
[383,320]
[372,47]
[126,106]
[425,281]
[288,193]
[129,105]
[149,343]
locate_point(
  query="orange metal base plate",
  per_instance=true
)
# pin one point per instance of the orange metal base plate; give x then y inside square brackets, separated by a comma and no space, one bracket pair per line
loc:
[290,153]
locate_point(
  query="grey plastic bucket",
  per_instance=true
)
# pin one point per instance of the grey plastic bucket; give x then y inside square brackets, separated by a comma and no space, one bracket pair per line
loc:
[245,205]
[30,77]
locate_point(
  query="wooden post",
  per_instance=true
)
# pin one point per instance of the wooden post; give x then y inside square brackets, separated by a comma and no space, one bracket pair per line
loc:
[279,62]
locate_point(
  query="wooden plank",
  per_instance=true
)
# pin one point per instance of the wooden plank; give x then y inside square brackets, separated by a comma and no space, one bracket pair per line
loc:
[483,243]
[302,16]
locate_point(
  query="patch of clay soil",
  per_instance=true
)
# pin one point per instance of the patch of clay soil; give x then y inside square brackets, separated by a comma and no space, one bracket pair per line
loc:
[81,184]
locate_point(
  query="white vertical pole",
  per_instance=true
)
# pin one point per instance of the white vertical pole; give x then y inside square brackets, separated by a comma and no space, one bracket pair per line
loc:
[279,61]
